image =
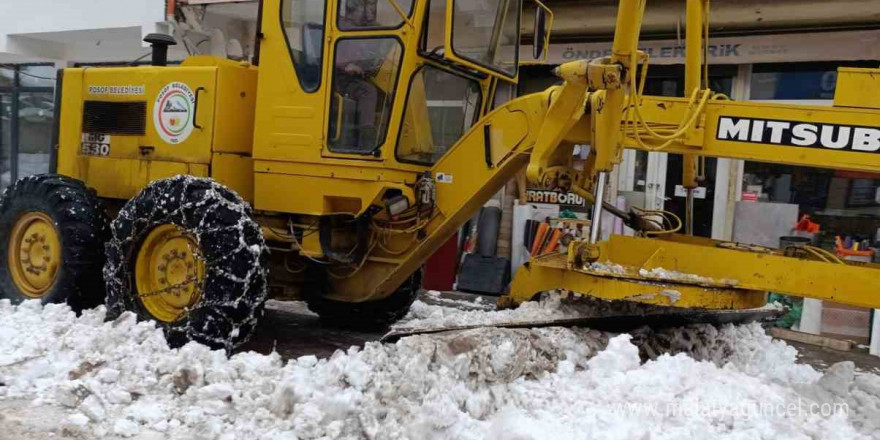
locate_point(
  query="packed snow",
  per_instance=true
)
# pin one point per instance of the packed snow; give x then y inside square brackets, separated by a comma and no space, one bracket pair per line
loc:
[660,273]
[423,315]
[436,297]
[119,379]
[657,273]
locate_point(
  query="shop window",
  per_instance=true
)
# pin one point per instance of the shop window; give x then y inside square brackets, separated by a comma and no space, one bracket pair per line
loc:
[844,203]
[7,76]
[797,81]
[536,79]
[793,85]
[440,108]
[42,75]
[27,111]
[364,78]
[35,120]
[303,23]
[356,15]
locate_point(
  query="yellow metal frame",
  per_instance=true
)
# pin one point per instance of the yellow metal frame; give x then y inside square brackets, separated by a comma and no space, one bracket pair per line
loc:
[169,272]
[34,254]
[703,273]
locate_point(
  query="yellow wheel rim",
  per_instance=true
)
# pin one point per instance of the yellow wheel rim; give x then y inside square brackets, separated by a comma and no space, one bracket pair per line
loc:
[34,254]
[169,272]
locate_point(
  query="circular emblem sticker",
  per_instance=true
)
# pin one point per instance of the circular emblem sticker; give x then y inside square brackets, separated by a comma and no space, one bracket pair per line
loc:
[173,112]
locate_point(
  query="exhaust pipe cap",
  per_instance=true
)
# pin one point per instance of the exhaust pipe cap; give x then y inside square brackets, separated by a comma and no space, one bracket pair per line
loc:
[160,43]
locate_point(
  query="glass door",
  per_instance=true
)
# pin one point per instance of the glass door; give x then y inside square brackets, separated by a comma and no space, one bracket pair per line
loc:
[641,179]
[36,111]
[670,82]
[652,180]
[27,112]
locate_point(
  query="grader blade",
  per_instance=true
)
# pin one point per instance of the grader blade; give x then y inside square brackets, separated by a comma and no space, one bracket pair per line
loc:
[616,316]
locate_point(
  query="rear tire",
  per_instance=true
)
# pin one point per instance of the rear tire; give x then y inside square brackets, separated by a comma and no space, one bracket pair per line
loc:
[230,247]
[368,315]
[63,207]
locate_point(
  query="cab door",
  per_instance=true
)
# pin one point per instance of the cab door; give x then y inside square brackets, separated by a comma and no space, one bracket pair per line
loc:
[366,54]
[292,85]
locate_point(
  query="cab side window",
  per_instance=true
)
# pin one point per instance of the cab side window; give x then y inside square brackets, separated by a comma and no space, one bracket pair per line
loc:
[440,108]
[303,24]
[356,15]
[365,74]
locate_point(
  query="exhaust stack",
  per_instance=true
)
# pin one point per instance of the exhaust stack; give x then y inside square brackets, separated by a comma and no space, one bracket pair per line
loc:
[160,43]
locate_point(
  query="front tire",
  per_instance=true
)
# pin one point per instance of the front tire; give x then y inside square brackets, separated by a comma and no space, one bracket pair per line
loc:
[53,232]
[186,254]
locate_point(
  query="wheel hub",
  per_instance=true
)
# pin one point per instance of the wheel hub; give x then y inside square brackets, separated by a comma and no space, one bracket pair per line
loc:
[34,254]
[169,273]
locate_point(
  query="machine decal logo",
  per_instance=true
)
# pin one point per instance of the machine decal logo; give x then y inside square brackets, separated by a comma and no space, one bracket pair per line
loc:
[444,178]
[173,112]
[799,134]
[117,90]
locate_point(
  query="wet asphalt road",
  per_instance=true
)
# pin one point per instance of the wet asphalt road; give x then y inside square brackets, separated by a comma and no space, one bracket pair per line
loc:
[293,331]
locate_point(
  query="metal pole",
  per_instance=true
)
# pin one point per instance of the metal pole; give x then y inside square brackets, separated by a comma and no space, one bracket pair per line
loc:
[597,208]
[692,77]
[689,212]
[14,126]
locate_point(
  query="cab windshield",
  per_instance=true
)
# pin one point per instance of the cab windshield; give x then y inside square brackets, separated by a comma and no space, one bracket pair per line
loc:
[487,33]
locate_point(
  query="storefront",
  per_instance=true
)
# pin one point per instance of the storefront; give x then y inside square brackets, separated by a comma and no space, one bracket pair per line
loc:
[26,119]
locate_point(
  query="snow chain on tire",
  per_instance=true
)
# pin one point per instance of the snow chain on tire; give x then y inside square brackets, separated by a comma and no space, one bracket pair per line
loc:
[231,246]
[81,225]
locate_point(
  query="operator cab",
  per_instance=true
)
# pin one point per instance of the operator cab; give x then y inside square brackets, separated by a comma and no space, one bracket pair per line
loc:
[399,81]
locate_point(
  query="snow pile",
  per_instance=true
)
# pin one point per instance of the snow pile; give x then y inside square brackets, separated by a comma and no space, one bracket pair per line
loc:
[294,307]
[607,268]
[551,306]
[660,273]
[437,298]
[120,378]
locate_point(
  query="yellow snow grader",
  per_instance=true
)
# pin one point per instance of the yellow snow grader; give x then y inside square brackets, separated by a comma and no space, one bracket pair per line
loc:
[361,137]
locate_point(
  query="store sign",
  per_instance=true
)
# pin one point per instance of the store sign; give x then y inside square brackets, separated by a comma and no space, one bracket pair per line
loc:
[699,192]
[749,197]
[824,46]
[799,134]
[173,112]
[554,197]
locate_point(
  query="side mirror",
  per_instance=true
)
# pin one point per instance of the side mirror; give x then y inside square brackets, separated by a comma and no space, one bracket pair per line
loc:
[541,32]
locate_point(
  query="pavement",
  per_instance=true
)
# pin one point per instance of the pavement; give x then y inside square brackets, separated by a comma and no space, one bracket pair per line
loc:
[293,331]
